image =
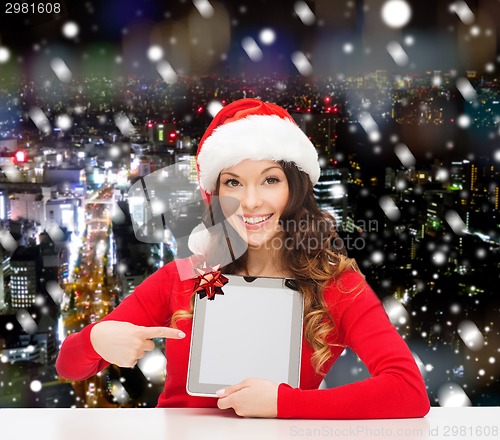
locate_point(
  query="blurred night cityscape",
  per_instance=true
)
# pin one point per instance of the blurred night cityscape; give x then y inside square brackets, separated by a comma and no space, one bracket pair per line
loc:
[406,121]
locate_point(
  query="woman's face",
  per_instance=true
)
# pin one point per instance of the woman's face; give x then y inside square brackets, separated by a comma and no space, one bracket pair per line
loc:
[261,187]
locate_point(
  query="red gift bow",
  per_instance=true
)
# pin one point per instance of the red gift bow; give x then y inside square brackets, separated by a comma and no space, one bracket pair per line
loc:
[209,281]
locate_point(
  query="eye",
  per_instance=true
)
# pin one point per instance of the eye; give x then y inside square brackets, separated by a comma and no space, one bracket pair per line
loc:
[272,180]
[231,183]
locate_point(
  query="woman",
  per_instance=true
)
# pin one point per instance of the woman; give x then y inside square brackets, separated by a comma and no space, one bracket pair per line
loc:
[254,153]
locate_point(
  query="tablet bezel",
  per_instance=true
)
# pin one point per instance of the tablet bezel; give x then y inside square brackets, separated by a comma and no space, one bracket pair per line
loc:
[193,386]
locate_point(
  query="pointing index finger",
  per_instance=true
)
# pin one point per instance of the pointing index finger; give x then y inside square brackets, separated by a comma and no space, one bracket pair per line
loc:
[163,332]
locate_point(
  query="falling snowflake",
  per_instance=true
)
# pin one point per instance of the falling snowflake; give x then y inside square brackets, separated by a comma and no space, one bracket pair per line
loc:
[466,89]
[155,53]
[463,121]
[377,257]
[35,386]
[489,67]
[409,40]
[304,12]
[70,29]
[267,36]
[214,107]
[370,126]
[40,120]
[452,395]
[124,124]
[470,335]
[26,321]
[6,238]
[348,48]
[439,258]
[481,253]
[204,7]
[396,13]
[167,72]
[419,363]
[11,172]
[455,221]
[397,53]
[252,49]
[122,268]
[338,191]
[61,69]
[405,155]
[158,207]
[55,291]
[463,11]
[64,122]
[115,152]
[117,215]
[395,310]
[302,64]
[55,232]
[152,365]
[119,392]
[389,207]
[4,54]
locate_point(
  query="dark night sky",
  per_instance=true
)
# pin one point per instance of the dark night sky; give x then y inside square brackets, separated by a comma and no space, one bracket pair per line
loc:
[111,16]
[432,24]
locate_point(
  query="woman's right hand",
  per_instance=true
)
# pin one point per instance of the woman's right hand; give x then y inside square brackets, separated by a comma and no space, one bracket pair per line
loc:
[123,343]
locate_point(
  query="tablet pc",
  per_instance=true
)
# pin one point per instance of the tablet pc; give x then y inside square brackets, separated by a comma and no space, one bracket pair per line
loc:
[253,330]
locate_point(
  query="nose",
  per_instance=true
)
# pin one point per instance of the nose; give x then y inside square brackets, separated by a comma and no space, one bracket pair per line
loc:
[251,199]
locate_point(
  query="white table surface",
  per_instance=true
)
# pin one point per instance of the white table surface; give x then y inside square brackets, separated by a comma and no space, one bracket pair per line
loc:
[173,423]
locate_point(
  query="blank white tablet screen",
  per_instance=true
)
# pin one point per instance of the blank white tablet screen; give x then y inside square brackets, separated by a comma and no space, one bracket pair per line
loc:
[246,334]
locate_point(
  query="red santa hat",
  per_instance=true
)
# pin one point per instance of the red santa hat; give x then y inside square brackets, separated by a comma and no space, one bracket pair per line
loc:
[248,129]
[256,130]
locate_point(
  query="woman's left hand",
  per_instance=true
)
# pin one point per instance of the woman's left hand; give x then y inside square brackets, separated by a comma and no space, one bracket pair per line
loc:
[251,398]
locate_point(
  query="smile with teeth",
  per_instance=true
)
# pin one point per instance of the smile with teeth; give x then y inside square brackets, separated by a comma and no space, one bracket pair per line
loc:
[256,220]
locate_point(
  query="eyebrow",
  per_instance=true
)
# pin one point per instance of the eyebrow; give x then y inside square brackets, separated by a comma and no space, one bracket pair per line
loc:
[263,171]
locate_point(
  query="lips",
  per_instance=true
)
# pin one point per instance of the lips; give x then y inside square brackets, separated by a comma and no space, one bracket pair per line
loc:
[256,219]
[253,222]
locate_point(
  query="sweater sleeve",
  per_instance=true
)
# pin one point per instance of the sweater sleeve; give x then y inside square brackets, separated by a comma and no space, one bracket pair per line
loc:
[395,389]
[147,306]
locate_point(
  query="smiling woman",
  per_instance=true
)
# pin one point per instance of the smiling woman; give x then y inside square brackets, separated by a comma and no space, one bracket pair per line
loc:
[261,187]
[256,171]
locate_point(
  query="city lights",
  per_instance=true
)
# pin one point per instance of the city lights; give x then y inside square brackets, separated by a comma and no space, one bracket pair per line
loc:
[400,98]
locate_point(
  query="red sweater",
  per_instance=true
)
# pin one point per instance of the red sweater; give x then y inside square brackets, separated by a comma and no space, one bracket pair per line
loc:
[395,390]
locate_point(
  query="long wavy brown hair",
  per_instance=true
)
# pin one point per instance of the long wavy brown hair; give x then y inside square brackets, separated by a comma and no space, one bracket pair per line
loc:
[314,253]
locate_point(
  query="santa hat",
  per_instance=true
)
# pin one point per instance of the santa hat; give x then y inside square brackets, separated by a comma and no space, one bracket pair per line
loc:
[256,130]
[250,129]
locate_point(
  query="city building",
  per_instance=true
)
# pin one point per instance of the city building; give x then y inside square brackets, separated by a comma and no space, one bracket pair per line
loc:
[65,213]
[25,279]
[27,206]
[331,193]
[38,346]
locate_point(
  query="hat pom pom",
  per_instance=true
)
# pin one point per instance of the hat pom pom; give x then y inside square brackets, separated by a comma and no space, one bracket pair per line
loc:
[199,240]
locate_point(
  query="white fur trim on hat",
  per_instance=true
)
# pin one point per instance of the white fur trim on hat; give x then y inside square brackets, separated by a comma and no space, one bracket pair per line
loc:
[256,137]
